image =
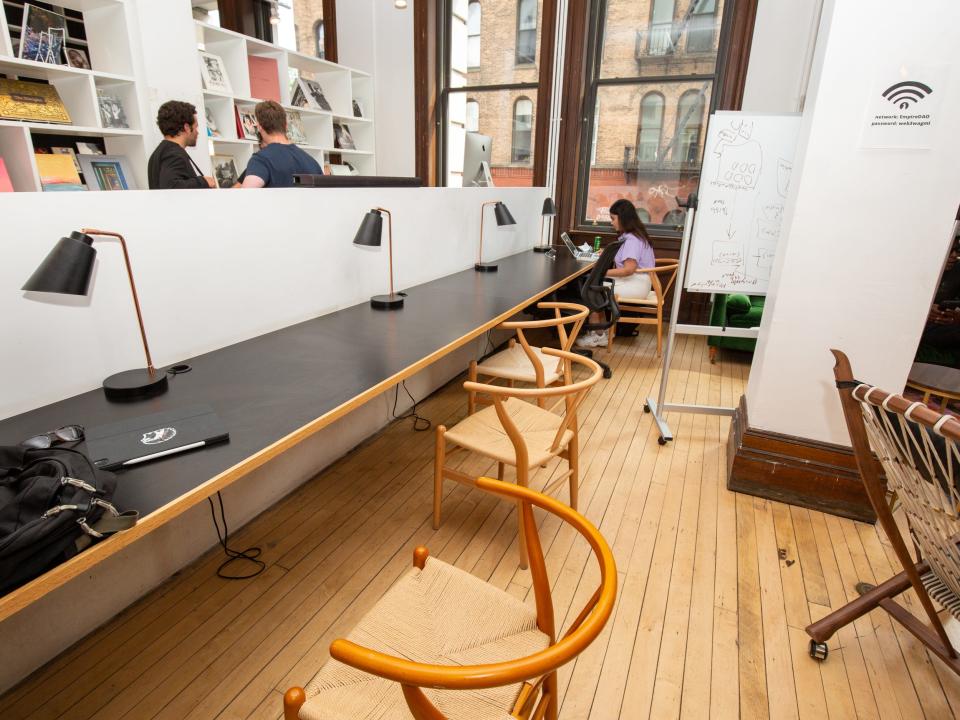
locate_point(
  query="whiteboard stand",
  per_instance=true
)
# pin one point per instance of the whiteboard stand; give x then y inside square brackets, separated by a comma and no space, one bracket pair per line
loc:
[659,407]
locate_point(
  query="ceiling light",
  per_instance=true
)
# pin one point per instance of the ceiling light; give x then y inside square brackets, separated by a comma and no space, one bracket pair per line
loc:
[400,4]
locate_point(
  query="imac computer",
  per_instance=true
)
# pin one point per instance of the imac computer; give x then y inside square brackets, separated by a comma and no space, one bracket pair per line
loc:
[476,160]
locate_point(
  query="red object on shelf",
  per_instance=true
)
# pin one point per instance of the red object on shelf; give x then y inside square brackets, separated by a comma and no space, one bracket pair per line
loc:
[264,78]
[5,184]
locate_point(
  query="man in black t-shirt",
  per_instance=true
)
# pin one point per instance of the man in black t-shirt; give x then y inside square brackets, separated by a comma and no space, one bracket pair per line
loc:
[170,166]
[278,160]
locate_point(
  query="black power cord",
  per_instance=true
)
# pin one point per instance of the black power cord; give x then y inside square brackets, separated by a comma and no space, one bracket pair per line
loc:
[250,554]
[420,424]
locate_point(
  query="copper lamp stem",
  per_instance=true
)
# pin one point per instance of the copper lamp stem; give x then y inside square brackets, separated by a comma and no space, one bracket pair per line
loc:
[482,208]
[133,290]
[389,242]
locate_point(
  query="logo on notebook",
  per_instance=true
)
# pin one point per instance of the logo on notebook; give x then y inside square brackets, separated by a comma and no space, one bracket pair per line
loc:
[162,435]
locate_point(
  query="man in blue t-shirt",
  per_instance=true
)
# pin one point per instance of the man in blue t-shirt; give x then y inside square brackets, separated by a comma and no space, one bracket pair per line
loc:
[278,159]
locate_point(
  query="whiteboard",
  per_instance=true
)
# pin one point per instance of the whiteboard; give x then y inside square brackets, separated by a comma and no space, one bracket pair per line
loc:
[746,171]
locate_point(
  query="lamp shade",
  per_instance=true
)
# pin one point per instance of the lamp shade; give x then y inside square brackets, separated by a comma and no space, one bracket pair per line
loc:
[67,268]
[371,230]
[548,207]
[503,215]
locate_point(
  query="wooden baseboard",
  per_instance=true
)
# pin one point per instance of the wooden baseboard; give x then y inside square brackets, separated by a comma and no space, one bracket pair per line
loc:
[816,475]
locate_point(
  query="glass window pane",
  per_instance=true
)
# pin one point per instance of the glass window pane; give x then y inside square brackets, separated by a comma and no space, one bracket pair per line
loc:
[662,37]
[474,18]
[526,31]
[496,42]
[300,26]
[649,146]
[507,117]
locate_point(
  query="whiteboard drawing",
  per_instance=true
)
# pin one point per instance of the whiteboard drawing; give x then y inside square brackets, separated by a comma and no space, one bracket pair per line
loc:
[746,172]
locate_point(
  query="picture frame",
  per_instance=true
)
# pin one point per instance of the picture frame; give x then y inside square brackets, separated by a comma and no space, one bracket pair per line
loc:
[43,35]
[357,109]
[342,138]
[295,132]
[112,114]
[247,123]
[77,58]
[107,172]
[309,94]
[225,170]
[213,72]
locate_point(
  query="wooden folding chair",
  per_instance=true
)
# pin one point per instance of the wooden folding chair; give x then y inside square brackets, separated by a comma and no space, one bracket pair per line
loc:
[442,643]
[917,450]
[650,307]
[518,433]
[523,362]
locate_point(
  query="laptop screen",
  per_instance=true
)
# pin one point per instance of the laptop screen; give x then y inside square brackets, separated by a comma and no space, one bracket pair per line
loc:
[569,243]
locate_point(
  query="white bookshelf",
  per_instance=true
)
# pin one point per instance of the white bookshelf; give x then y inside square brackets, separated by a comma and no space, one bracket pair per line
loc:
[341,86]
[108,47]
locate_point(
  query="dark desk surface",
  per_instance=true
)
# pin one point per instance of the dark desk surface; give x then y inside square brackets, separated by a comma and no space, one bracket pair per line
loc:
[275,390]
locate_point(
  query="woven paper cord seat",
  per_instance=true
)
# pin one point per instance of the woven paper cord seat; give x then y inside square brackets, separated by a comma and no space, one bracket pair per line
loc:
[482,432]
[439,615]
[513,364]
[650,299]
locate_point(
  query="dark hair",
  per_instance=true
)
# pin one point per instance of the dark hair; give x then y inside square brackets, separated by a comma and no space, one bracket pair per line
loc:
[630,222]
[271,117]
[173,115]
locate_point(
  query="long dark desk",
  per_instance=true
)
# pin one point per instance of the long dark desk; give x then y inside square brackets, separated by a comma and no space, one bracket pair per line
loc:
[275,390]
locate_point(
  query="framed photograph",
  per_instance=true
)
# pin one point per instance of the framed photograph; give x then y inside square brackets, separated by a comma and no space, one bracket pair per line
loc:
[214,73]
[295,131]
[212,130]
[225,170]
[357,109]
[342,138]
[247,123]
[88,148]
[42,35]
[77,58]
[107,172]
[111,111]
[309,94]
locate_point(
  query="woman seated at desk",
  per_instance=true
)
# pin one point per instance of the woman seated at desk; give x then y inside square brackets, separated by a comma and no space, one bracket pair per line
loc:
[635,253]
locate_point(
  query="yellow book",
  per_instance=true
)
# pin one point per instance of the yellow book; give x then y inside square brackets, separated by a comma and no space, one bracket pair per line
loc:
[35,102]
[58,173]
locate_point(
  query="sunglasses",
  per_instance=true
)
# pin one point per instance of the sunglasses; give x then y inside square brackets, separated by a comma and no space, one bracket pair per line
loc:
[67,433]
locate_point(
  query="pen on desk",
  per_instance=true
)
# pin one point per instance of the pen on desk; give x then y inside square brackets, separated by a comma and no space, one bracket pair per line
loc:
[153,456]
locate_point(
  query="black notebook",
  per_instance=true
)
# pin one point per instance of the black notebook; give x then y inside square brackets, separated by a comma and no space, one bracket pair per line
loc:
[148,437]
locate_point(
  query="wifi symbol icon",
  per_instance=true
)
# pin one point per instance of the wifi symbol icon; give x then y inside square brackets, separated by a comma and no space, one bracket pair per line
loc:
[904,93]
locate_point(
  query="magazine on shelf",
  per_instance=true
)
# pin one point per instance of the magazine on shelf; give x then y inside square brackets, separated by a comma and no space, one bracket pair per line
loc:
[58,173]
[264,78]
[31,101]
[214,73]
[342,138]
[5,184]
[212,130]
[295,131]
[309,94]
[67,151]
[225,170]
[42,35]
[112,114]
[246,123]
[77,58]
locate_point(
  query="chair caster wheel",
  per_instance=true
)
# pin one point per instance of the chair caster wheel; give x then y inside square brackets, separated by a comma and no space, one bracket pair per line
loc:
[662,441]
[607,374]
[818,651]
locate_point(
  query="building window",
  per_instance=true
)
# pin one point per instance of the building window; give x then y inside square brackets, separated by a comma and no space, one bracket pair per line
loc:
[660,40]
[472,123]
[473,34]
[526,32]
[689,121]
[522,130]
[651,127]
[318,38]
[701,22]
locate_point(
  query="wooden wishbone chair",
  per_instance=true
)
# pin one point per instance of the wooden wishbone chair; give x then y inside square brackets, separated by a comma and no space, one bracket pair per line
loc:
[650,307]
[518,433]
[440,630]
[523,363]
[918,450]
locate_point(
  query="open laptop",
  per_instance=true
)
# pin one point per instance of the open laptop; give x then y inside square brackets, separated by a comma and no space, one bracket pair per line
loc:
[578,254]
[148,437]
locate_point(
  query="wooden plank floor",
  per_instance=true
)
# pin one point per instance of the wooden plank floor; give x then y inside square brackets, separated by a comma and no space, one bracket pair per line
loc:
[715,588]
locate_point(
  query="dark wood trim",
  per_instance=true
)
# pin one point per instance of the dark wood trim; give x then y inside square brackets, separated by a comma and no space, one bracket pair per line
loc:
[735,56]
[238,15]
[330,30]
[794,470]
[548,45]
[425,88]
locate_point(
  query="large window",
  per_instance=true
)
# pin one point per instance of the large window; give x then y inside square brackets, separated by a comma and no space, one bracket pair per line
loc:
[489,85]
[318,38]
[652,69]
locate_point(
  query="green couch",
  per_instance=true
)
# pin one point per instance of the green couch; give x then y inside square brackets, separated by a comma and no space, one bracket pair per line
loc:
[736,310]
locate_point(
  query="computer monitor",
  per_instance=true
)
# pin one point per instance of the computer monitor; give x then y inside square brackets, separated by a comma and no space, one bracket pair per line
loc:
[476,160]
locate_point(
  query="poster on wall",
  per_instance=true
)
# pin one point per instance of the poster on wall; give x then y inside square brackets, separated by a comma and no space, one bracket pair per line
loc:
[903,109]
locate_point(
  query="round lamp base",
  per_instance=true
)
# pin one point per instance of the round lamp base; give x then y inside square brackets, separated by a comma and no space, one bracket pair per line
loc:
[135,385]
[485,267]
[541,248]
[387,302]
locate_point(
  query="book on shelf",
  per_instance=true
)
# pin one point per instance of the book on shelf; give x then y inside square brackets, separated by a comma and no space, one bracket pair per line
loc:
[225,170]
[213,72]
[107,172]
[42,35]
[295,132]
[57,173]
[212,130]
[5,184]
[264,78]
[31,101]
[246,123]
[88,148]
[112,114]
[342,138]
[67,151]
[309,94]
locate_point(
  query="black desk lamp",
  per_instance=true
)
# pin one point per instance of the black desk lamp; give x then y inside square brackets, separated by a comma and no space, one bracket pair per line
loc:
[549,210]
[503,217]
[370,234]
[67,270]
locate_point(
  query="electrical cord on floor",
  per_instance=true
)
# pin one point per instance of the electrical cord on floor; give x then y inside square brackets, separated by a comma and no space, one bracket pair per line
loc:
[250,554]
[419,423]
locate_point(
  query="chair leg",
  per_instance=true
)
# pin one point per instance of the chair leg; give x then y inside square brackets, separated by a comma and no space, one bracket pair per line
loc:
[659,336]
[439,457]
[293,700]
[713,354]
[550,686]
[522,479]
[573,459]
[500,467]
[472,396]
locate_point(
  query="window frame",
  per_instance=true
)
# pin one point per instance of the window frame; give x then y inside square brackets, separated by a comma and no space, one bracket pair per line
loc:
[517,61]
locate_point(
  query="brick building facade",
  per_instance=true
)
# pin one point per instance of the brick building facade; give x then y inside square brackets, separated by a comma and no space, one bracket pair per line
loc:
[306,16]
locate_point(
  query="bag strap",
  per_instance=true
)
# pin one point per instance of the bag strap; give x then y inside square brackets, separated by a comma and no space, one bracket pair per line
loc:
[109,523]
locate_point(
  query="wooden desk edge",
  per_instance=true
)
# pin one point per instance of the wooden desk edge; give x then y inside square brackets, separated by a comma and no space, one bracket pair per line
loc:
[15,601]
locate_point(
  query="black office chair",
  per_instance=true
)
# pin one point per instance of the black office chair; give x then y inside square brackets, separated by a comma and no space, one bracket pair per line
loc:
[596,292]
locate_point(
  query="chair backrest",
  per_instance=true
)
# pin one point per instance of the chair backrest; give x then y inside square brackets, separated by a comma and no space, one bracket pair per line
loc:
[667,269]
[571,393]
[581,632]
[917,449]
[590,293]
[567,319]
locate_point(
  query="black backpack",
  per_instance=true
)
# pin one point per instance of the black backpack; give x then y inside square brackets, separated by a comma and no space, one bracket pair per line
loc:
[53,504]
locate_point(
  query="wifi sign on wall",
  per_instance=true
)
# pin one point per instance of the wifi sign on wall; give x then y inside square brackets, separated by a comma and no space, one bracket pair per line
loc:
[904,94]
[903,106]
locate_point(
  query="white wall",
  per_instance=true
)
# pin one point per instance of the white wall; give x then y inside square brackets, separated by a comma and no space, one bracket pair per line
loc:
[374,36]
[865,231]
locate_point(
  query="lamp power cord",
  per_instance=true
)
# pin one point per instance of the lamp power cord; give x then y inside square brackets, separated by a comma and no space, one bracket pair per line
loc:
[249,555]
